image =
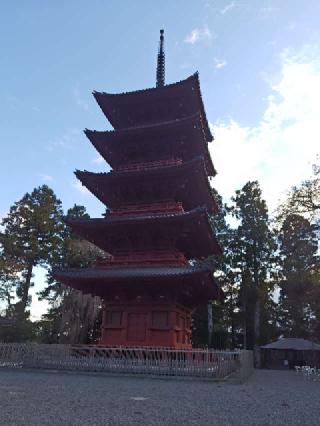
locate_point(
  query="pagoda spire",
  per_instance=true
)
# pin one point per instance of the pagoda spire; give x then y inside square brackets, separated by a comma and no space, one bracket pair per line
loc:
[161,61]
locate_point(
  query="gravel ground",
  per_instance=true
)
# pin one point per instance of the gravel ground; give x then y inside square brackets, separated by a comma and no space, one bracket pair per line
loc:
[60,398]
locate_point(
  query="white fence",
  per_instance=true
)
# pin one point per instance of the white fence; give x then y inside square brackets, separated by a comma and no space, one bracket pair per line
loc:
[160,362]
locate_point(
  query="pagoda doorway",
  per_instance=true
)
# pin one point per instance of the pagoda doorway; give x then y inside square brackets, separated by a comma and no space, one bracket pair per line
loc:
[137,327]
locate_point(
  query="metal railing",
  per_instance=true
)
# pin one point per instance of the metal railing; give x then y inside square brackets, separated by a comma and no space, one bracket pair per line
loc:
[148,361]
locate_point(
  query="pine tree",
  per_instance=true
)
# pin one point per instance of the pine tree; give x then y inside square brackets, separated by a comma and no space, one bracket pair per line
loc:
[32,236]
[253,250]
[298,305]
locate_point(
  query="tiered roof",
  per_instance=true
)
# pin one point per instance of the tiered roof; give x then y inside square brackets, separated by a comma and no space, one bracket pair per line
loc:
[168,123]
[190,232]
[188,180]
[175,281]
[185,137]
[155,105]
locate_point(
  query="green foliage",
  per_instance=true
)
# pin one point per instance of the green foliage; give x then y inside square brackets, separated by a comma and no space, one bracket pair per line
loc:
[246,272]
[299,261]
[253,252]
[9,280]
[32,236]
[304,198]
[33,228]
[18,332]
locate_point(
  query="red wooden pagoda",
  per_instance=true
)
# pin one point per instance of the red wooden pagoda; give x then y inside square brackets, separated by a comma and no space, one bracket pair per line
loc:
[158,198]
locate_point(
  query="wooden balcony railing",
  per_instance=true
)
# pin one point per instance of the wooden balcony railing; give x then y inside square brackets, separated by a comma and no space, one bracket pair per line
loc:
[149,258]
[151,208]
[133,167]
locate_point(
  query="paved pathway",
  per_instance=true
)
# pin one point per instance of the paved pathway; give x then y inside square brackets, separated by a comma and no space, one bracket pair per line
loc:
[58,398]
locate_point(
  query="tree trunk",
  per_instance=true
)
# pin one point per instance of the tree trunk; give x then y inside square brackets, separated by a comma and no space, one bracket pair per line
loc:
[257,307]
[257,304]
[210,324]
[9,305]
[257,314]
[256,348]
[22,304]
[244,309]
[231,313]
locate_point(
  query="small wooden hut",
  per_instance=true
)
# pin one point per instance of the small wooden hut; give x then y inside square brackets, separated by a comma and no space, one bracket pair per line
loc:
[286,353]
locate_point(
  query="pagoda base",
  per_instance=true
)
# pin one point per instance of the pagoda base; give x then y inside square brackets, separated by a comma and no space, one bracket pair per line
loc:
[146,325]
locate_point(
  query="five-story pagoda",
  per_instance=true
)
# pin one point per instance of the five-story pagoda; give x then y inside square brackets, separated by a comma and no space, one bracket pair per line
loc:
[158,198]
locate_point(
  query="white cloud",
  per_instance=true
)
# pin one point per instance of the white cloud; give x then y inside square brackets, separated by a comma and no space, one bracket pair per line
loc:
[46,178]
[227,8]
[80,188]
[280,148]
[199,34]
[220,63]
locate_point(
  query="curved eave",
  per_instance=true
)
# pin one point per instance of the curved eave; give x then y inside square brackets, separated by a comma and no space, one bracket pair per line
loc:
[142,106]
[110,143]
[193,233]
[196,283]
[104,185]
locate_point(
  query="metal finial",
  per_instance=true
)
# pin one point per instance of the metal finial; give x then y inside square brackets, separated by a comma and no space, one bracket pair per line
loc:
[161,61]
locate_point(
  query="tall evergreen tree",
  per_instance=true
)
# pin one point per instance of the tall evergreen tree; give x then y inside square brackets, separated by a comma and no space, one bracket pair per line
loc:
[297,305]
[253,250]
[32,237]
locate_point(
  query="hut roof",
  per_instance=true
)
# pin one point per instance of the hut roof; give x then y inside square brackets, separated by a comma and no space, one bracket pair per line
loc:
[293,344]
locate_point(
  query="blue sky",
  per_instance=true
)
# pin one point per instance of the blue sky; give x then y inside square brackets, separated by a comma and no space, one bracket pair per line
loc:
[260,79]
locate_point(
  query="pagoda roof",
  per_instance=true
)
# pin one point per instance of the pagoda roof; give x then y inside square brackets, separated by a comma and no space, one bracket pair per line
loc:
[193,185]
[191,231]
[154,105]
[195,285]
[184,134]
